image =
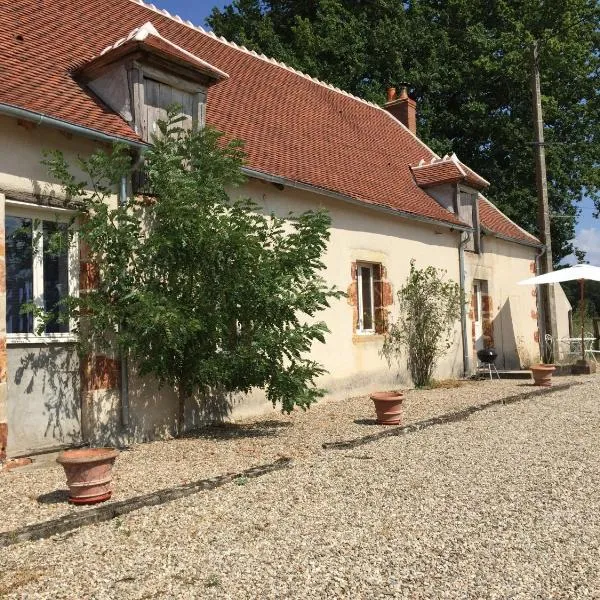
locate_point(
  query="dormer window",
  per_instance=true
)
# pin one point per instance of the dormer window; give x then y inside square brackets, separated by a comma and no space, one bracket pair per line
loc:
[142,74]
[455,187]
[468,212]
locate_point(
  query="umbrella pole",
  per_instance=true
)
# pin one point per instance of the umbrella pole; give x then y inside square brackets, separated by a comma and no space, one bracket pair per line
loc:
[581,309]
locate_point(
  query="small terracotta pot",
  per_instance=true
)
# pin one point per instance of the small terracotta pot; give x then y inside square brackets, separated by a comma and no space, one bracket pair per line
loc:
[388,406]
[89,473]
[542,374]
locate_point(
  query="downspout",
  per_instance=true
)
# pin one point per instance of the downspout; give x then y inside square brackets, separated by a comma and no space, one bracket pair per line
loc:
[540,307]
[464,240]
[124,361]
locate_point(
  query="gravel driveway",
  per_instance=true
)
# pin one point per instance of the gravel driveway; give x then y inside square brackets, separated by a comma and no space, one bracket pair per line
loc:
[31,496]
[502,505]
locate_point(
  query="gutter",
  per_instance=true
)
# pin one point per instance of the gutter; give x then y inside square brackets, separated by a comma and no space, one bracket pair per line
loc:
[464,240]
[325,192]
[40,118]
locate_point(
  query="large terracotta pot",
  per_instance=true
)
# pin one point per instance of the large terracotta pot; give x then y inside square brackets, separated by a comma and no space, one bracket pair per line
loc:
[388,406]
[89,473]
[542,374]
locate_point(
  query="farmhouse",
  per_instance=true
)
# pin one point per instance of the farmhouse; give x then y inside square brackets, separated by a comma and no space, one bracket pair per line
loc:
[77,76]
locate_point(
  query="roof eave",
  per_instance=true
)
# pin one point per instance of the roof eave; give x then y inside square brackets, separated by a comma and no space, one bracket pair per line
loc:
[42,119]
[514,240]
[349,199]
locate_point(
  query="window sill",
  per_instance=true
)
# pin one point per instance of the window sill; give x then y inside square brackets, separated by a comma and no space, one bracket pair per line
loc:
[362,338]
[40,340]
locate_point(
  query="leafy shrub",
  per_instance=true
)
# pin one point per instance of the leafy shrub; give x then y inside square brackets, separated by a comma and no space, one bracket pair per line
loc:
[205,293]
[429,308]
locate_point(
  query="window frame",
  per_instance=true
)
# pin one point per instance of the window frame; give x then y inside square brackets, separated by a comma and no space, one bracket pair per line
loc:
[360,330]
[39,214]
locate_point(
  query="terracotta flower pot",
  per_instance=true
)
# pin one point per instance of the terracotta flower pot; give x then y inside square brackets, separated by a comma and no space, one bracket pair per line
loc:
[89,473]
[388,406]
[542,374]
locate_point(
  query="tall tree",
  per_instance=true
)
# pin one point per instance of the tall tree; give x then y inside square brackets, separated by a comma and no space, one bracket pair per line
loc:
[468,62]
[206,294]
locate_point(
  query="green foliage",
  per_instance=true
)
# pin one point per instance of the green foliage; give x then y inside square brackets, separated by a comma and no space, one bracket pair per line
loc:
[204,293]
[469,64]
[592,298]
[429,308]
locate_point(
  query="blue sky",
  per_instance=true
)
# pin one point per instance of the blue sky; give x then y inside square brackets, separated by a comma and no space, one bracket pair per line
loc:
[196,12]
[588,229]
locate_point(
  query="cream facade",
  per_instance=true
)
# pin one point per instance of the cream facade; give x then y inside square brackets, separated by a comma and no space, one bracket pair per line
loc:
[55,398]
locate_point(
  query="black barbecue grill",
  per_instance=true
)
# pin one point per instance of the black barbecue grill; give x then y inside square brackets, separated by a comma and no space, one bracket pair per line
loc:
[487,357]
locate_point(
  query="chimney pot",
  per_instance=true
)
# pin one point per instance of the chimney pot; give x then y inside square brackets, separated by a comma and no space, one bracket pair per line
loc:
[403,107]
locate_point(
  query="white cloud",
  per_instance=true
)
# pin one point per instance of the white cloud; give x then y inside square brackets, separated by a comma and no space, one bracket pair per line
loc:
[588,240]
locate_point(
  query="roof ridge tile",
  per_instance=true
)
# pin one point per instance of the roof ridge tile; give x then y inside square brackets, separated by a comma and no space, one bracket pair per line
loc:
[271,60]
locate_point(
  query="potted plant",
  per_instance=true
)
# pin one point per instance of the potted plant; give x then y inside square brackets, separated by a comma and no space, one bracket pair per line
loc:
[429,307]
[89,473]
[388,406]
[542,374]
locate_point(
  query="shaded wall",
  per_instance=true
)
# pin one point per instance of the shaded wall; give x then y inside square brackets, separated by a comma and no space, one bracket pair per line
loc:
[44,397]
[510,309]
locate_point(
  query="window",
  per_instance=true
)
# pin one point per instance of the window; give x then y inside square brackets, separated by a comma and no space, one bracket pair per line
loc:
[41,267]
[468,211]
[366,298]
[158,97]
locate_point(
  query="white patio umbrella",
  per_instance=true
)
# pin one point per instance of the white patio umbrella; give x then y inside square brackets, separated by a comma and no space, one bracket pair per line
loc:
[576,273]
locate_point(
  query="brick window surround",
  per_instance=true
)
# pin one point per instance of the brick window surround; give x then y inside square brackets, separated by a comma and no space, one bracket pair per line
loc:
[382,296]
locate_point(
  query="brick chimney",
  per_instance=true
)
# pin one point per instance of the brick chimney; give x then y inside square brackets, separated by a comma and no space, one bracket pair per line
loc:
[402,107]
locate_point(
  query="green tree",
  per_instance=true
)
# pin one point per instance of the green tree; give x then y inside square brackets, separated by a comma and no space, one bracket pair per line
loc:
[429,308]
[469,64]
[204,293]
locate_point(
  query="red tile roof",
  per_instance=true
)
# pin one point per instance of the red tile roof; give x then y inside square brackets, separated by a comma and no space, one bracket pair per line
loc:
[496,222]
[447,170]
[473,179]
[437,173]
[147,38]
[293,127]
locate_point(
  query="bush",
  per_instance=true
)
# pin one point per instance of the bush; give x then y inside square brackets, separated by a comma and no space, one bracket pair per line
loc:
[429,308]
[205,293]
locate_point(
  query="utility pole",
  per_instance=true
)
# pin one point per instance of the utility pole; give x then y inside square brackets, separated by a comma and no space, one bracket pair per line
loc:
[547,302]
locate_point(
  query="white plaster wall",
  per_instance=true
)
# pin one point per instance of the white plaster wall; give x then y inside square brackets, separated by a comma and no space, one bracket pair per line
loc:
[43,385]
[43,397]
[363,234]
[514,309]
[354,363]
[22,146]
[563,308]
